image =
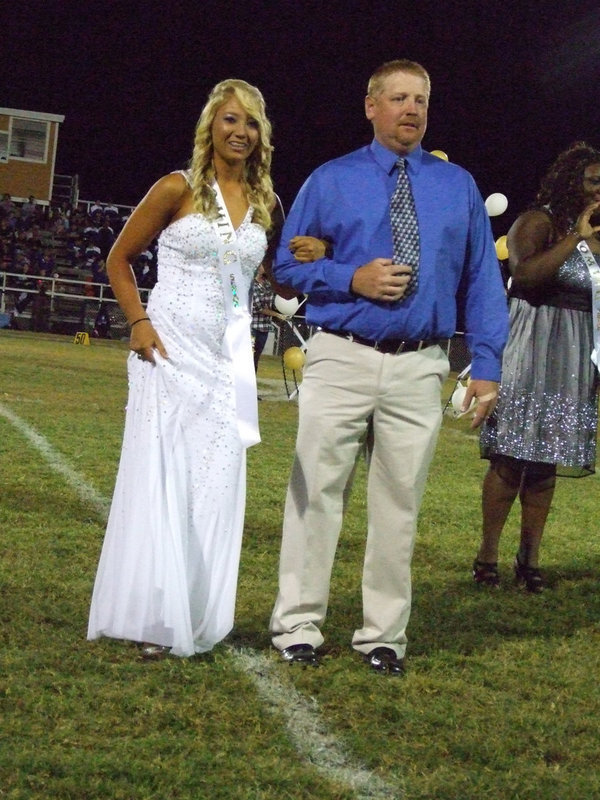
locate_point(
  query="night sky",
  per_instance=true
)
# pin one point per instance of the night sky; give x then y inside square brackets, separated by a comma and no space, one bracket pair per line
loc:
[512,83]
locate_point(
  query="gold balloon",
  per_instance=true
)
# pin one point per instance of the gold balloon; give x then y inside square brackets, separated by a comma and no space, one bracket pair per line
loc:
[501,248]
[294,358]
[440,154]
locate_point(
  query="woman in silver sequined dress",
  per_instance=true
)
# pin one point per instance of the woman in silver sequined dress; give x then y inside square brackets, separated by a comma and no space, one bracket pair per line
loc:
[168,569]
[545,421]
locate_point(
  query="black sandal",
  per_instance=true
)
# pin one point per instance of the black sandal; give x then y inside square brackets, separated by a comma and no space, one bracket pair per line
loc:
[486,573]
[529,576]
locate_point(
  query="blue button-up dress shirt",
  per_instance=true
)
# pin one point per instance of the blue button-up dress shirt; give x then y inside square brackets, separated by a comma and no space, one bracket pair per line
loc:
[347,202]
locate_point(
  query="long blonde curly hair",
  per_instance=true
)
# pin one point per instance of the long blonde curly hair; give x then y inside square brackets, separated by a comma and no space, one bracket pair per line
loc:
[257,172]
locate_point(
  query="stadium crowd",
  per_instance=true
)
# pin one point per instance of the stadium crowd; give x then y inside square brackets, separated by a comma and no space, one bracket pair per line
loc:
[63,241]
[60,240]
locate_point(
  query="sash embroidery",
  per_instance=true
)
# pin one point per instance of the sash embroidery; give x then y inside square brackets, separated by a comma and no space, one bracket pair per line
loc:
[594,271]
[237,342]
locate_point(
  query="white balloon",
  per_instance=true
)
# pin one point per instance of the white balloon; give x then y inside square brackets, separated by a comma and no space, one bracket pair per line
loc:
[286,307]
[496,204]
[458,395]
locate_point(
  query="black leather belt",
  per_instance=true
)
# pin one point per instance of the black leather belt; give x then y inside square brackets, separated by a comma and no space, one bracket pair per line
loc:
[390,346]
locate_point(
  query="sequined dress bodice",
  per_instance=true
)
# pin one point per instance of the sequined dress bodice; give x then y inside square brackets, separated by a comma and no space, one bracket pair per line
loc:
[573,275]
[188,294]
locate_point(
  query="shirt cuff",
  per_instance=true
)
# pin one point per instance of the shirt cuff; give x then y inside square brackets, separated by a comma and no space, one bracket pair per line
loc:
[339,276]
[484,369]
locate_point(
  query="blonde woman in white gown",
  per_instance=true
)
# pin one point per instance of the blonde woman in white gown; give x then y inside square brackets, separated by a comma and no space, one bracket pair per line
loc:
[168,570]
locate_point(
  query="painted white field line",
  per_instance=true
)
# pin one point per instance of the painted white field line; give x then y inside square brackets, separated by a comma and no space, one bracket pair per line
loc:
[58,463]
[306,730]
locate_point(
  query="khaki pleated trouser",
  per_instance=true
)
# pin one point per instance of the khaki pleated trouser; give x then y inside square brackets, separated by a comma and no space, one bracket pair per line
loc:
[352,394]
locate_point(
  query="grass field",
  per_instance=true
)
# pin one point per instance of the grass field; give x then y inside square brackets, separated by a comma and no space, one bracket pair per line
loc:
[501,698]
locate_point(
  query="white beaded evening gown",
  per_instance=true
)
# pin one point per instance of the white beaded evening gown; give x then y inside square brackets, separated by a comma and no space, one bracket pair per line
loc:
[168,569]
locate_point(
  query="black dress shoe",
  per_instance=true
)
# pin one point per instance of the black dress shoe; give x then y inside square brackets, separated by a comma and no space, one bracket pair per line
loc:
[301,654]
[385,660]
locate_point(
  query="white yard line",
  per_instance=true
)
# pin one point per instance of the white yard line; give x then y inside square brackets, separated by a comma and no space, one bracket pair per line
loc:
[58,463]
[315,745]
[307,731]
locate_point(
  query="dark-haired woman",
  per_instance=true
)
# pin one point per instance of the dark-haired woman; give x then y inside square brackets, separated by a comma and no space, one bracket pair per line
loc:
[545,421]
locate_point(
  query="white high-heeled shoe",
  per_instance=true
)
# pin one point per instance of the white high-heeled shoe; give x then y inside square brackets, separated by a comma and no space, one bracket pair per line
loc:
[153,652]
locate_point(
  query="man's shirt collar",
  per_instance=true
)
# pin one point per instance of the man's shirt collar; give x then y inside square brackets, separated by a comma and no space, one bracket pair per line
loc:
[387,159]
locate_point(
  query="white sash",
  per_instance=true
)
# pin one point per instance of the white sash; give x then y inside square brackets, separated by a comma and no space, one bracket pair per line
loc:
[594,271]
[237,343]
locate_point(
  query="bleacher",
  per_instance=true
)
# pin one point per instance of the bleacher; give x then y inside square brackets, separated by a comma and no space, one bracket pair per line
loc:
[72,291]
[70,307]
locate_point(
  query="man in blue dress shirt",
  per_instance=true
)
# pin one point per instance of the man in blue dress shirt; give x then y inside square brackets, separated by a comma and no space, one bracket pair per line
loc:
[375,368]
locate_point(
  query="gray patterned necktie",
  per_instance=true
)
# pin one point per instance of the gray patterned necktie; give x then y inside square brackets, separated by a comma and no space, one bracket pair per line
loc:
[405,229]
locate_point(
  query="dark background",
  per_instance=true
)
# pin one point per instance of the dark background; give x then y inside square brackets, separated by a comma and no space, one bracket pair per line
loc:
[512,83]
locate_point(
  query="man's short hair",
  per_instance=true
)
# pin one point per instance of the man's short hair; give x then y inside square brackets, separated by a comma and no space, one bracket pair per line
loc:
[376,80]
